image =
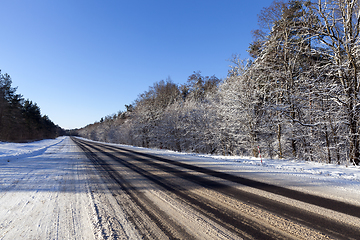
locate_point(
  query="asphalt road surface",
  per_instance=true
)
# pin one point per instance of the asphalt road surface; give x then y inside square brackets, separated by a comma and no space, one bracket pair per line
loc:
[162,198]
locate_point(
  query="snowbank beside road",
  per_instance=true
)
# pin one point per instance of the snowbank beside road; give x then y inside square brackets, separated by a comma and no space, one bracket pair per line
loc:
[10,151]
[339,172]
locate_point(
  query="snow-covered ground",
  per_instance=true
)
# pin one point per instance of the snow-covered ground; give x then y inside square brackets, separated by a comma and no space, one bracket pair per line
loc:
[10,151]
[45,193]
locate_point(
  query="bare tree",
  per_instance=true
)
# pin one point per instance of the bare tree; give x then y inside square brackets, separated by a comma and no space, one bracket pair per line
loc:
[336,36]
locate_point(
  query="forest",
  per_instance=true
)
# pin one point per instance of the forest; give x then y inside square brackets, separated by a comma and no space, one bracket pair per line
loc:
[296,98]
[20,119]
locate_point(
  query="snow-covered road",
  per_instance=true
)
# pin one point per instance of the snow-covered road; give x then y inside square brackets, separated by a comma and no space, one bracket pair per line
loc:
[49,189]
[44,193]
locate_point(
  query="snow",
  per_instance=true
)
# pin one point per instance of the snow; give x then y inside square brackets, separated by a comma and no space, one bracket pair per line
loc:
[42,192]
[18,150]
[49,177]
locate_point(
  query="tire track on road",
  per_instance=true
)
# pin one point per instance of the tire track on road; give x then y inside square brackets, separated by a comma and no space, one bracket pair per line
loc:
[313,221]
[335,205]
[223,216]
[169,228]
[243,226]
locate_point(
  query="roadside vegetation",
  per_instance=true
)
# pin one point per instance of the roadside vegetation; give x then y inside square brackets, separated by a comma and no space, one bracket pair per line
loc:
[20,119]
[298,97]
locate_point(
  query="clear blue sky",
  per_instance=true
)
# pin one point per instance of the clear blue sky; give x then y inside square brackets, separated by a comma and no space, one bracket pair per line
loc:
[81,60]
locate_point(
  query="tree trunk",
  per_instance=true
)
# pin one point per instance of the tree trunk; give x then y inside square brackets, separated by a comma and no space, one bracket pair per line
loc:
[279,141]
[354,143]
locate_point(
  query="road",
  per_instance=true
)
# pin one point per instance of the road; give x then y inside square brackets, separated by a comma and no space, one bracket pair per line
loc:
[161,198]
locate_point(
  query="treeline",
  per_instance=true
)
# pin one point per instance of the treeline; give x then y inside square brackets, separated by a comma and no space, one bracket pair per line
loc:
[298,97]
[20,119]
